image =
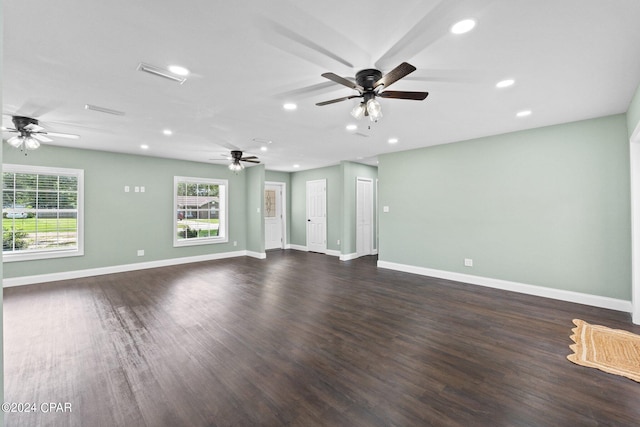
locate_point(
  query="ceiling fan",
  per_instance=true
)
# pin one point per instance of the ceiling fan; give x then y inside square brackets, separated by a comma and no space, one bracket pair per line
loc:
[236,158]
[371,83]
[31,134]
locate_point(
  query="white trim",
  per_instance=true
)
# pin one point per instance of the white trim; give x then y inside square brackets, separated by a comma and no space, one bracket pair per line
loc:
[259,255]
[559,294]
[332,252]
[283,202]
[223,203]
[66,275]
[298,248]
[347,257]
[38,254]
[369,250]
[375,252]
[324,208]
[634,155]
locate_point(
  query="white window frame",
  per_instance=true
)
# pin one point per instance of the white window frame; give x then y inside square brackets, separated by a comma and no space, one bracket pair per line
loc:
[223,227]
[36,254]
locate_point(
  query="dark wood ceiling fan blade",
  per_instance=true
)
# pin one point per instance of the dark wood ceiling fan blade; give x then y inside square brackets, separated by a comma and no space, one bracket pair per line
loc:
[341,80]
[398,94]
[396,74]
[333,101]
[250,161]
[249,158]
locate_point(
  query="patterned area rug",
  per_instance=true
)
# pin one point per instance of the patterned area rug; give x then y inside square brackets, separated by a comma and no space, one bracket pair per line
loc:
[610,350]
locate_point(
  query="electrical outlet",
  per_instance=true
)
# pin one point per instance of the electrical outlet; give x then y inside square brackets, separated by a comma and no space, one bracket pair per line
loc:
[126,188]
[136,189]
[140,252]
[235,243]
[142,189]
[385,209]
[468,262]
[338,241]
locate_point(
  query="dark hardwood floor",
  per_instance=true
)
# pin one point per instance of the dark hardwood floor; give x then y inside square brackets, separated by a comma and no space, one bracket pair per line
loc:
[301,339]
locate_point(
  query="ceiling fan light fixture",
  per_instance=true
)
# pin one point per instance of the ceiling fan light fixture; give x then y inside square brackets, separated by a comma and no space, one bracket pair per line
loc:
[374,110]
[30,143]
[358,111]
[15,141]
[236,166]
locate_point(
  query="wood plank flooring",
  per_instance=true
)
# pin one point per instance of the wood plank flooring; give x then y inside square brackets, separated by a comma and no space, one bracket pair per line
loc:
[301,339]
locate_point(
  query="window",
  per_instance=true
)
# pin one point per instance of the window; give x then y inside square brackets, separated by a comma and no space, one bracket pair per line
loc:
[200,215]
[41,212]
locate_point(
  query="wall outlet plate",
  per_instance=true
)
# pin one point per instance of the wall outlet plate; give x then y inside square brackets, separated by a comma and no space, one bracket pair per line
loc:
[468,262]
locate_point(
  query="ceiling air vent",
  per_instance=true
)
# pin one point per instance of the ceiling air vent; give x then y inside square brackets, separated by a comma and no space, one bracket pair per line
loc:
[157,71]
[103,110]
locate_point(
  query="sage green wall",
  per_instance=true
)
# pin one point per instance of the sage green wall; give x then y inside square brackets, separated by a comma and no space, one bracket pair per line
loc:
[350,173]
[633,113]
[117,224]
[285,177]
[547,207]
[299,206]
[255,203]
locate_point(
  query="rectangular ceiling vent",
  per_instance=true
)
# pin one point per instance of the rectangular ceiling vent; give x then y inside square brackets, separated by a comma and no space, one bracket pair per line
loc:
[156,71]
[103,110]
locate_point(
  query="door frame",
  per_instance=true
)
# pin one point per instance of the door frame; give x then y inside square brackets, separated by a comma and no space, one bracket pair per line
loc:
[283,209]
[368,251]
[324,181]
[634,154]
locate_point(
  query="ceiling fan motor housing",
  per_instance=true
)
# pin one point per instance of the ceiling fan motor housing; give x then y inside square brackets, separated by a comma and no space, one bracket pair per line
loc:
[367,78]
[21,122]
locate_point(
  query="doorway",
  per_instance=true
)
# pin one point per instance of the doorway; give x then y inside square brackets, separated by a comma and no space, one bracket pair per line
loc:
[317,216]
[275,217]
[364,217]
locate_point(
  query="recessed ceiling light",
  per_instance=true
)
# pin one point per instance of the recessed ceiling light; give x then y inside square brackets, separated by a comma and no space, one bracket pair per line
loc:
[290,106]
[463,26]
[178,70]
[144,146]
[263,148]
[505,83]
[523,113]
[167,132]
[393,140]
[296,166]
[352,127]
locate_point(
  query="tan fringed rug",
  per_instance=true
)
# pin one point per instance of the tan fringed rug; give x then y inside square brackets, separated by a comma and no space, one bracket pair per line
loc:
[610,350]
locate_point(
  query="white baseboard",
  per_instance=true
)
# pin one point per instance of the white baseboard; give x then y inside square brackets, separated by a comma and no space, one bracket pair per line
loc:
[298,248]
[559,294]
[347,257]
[259,255]
[333,252]
[66,275]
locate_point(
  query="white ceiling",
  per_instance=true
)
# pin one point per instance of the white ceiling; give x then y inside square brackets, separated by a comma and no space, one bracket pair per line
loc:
[571,59]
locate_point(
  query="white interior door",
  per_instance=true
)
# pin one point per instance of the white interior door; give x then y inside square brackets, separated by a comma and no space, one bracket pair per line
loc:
[273,216]
[317,216]
[364,217]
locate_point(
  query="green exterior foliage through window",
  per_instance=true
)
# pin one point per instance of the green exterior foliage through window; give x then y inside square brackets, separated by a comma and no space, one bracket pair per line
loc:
[40,210]
[200,205]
